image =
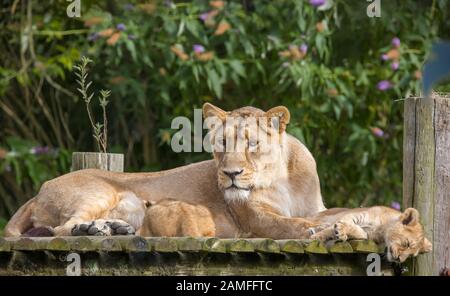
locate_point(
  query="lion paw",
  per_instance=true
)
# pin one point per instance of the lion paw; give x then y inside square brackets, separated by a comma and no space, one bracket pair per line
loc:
[318,236]
[103,228]
[97,228]
[121,228]
[340,231]
[317,232]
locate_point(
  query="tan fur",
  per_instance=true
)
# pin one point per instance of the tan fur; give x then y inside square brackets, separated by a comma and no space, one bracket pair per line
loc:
[280,180]
[180,219]
[402,233]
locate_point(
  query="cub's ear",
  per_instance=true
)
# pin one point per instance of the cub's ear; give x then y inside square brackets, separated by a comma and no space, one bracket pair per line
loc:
[426,246]
[410,217]
[282,114]
[209,110]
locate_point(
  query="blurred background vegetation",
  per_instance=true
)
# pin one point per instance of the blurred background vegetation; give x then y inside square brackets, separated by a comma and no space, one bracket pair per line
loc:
[342,74]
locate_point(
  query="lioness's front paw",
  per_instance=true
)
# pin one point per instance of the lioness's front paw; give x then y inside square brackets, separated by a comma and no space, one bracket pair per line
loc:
[97,227]
[340,231]
[103,227]
[313,232]
[121,228]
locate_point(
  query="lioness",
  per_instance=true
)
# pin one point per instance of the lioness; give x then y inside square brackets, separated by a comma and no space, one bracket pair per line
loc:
[402,233]
[259,191]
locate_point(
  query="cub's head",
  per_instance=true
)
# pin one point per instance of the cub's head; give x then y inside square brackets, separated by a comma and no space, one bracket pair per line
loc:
[247,145]
[405,237]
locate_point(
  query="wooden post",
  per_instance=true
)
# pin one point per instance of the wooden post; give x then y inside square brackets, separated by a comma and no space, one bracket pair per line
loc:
[93,160]
[426,175]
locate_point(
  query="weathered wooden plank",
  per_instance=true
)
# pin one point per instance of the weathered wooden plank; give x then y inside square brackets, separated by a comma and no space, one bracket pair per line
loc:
[58,244]
[409,143]
[165,245]
[24,244]
[424,175]
[138,244]
[266,245]
[104,161]
[316,247]
[291,246]
[115,162]
[240,246]
[189,244]
[214,245]
[109,245]
[81,244]
[364,246]
[441,232]
[339,247]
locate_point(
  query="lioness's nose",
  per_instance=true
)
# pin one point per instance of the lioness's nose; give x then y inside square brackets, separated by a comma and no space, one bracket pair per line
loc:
[232,174]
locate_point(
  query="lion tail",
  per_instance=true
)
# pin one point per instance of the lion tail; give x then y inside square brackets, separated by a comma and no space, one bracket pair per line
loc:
[21,221]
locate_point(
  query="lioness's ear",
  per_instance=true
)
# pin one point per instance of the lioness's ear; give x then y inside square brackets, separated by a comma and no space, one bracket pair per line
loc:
[426,246]
[209,110]
[410,217]
[282,114]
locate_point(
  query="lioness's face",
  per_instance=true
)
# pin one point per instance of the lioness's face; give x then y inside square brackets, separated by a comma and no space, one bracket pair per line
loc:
[405,237]
[247,146]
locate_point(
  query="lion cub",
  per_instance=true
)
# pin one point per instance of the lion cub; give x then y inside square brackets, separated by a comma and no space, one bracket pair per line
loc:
[402,233]
[176,218]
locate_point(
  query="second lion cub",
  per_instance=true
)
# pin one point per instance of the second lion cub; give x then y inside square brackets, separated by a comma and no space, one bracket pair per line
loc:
[402,233]
[176,218]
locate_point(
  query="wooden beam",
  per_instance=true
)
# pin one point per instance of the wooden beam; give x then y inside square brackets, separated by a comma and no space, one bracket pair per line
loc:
[92,160]
[441,233]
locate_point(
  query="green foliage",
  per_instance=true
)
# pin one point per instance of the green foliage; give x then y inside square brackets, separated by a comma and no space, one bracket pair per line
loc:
[162,59]
[24,168]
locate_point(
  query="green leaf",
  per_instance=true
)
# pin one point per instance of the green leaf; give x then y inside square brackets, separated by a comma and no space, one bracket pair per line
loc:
[214,79]
[238,67]
[132,49]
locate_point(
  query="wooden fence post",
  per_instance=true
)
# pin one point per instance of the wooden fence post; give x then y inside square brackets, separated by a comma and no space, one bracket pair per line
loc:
[94,160]
[426,175]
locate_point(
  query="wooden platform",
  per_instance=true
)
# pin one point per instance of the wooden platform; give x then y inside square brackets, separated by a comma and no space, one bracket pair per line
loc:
[134,255]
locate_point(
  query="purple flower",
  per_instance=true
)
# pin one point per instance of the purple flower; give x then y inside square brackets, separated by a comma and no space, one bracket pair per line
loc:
[317,3]
[121,27]
[304,48]
[384,85]
[93,36]
[396,205]
[395,42]
[204,16]
[384,57]
[198,48]
[128,7]
[40,150]
[395,66]
[131,37]
[377,132]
